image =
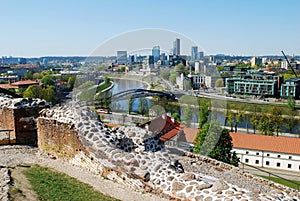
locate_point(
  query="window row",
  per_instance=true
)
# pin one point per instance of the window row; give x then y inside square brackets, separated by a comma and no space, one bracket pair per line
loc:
[268,163]
[278,156]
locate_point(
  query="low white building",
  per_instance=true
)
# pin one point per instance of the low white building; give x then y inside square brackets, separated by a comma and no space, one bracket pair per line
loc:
[267,151]
[198,80]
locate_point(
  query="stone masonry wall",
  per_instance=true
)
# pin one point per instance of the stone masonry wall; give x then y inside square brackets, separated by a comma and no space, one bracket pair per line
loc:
[58,138]
[129,155]
[19,115]
[7,121]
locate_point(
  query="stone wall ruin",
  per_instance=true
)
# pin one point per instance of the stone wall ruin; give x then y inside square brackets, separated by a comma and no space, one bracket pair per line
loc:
[19,115]
[124,155]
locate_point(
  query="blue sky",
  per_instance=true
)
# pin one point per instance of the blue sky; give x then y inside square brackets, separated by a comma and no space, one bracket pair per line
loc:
[236,27]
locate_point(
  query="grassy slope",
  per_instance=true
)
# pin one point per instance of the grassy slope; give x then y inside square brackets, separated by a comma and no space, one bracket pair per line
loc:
[50,185]
[284,182]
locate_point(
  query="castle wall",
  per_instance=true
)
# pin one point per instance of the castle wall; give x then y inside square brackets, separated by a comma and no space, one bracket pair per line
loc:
[58,138]
[130,156]
[19,115]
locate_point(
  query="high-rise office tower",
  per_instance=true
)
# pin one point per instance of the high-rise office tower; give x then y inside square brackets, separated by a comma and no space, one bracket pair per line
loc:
[194,53]
[200,55]
[176,47]
[122,57]
[156,53]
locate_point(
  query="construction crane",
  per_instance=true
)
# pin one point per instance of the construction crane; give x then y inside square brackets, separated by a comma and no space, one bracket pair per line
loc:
[289,64]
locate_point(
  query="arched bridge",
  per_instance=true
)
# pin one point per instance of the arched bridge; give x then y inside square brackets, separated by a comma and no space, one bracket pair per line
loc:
[137,93]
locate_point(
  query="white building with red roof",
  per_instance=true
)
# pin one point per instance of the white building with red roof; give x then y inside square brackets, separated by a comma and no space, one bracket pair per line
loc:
[267,151]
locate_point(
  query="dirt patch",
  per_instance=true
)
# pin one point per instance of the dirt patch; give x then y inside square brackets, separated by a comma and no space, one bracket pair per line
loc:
[20,189]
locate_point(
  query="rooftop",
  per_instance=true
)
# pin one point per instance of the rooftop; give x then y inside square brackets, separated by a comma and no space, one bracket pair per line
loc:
[266,143]
[25,82]
[189,134]
[164,125]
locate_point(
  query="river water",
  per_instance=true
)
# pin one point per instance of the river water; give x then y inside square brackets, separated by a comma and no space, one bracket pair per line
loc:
[122,106]
[123,85]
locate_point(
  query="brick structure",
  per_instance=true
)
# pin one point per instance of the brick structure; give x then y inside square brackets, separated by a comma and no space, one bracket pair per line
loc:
[19,115]
[58,138]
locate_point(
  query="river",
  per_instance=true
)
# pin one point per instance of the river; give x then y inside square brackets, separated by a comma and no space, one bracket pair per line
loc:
[123,85]
[122,106]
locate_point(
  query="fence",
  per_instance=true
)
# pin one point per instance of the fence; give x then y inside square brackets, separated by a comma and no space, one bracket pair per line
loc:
[269,174]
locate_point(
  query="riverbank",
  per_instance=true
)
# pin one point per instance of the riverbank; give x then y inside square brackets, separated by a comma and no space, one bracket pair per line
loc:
[105,88]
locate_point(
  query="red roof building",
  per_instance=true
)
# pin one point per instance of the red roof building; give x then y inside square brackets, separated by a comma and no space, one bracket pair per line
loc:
[24,84]
[171,132]
[267,151]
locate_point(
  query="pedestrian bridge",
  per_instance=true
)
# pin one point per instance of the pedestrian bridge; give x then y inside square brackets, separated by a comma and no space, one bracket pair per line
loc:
[138,93]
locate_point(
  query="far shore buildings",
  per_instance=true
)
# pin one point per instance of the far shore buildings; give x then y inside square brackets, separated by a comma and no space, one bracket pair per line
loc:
[262,83]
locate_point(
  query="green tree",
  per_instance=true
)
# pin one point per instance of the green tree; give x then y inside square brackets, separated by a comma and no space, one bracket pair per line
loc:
[187,115]
[216,143]
[180,68]
[287,76]
[230,119]
[291,103]
[143,106]
[203,113]
[254,117]
[265,125]
[37,76]
[165,74]
[71,82]
[176,116]
[276,118]
[49,94]
[219,68]
[130,103]
[86,84]
[219,83]
[28,75]
[33,91]
[47,80]
[173,77]
[291,121]
[239,117]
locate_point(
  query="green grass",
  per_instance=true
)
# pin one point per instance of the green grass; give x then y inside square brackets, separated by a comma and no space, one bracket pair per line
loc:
[50,185]
[103,86]
[284,182]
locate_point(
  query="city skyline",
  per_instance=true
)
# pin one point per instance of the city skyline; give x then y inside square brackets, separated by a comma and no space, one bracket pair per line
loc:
[76,28]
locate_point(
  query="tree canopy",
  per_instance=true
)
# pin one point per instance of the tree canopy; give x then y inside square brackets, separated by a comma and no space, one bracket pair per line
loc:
[215,142]
[47,80]
[219,83]
[36,91]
